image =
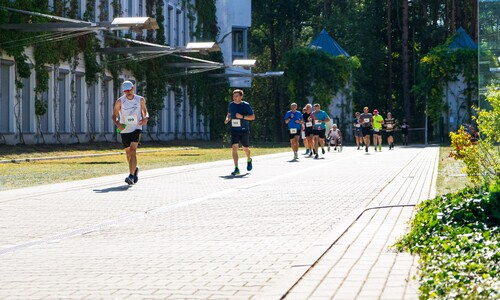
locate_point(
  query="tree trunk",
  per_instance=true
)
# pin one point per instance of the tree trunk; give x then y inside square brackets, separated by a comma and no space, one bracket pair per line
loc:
[474,21]
[389,55]
[73,62]
[17,107]
[405,57]
[56,101]
[453,26]
[90,125]
[424,9]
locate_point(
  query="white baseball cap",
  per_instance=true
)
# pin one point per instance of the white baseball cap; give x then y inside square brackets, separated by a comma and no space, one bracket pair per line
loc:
[127,85]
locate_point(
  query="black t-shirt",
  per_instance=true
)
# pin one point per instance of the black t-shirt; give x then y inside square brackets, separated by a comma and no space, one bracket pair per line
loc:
[389,124]
[404,127]
[366,119]
[305,117]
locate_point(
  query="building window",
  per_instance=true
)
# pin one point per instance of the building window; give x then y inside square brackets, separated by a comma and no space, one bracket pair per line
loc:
[239,43]
[191,29]
[177,28]
[140,12]
[129,8]
[168,26]
[185,28]
[81,10]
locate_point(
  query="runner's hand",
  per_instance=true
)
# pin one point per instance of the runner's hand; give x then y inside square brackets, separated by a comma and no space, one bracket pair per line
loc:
[239,116]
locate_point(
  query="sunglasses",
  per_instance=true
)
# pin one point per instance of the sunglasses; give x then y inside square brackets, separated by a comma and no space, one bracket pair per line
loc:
[126,91]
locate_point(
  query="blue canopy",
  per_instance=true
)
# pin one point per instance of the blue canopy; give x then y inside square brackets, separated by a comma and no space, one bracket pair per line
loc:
[462,40]
[326,43]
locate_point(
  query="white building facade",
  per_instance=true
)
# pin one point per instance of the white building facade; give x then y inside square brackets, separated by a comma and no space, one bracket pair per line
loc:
[86,116]
[234,19]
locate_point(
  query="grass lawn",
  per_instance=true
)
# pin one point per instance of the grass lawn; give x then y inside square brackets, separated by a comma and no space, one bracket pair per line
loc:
[110,160]
[451,177]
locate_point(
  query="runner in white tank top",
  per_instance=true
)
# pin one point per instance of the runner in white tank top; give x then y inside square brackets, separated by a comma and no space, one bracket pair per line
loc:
[129,115]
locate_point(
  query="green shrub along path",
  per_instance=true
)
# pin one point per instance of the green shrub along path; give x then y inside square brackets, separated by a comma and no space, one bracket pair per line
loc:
[457,236]
[458,241]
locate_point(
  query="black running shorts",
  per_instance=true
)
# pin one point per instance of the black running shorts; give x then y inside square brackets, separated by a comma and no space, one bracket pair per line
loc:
[240,136]
[132,137]
[366,130]
[320,133]
[308,131]
[293,135]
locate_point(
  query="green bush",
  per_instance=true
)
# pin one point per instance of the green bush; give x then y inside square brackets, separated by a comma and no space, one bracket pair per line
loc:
[459,246]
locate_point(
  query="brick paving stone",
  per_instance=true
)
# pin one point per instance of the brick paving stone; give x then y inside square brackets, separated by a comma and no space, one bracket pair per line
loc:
[361,258]
[193,231]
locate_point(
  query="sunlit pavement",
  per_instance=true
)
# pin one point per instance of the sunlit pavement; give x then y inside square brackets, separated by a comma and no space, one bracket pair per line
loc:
[290,229]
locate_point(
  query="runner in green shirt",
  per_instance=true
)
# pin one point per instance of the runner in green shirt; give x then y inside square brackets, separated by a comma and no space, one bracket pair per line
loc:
[378,122]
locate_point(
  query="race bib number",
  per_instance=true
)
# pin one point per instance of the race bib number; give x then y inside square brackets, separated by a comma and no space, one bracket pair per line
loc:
[318,122]
[293,130]
[236,123]
[366,120]
[309,124]
[131,120]
[389,126]
[376,130]
[357,125]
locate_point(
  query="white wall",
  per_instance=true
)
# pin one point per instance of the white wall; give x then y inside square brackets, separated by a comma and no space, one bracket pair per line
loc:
[233,14]
[456,101]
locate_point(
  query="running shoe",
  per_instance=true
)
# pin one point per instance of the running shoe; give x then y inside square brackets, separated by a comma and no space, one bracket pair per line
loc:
[323,150]
[380,148]
[316,156]
[328,149]
[358,147]
[130,179]
[235,172]
[249,165]
[366,149]
[295,156]
[310,154]
[307,152]
[335,149]
[136,174]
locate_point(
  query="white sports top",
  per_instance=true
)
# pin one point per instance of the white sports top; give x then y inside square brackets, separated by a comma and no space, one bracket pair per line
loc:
[130,113]
[334,133]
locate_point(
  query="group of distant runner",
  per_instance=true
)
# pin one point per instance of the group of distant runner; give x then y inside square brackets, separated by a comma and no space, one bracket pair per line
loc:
[367,124]
[311,126]
[130,114]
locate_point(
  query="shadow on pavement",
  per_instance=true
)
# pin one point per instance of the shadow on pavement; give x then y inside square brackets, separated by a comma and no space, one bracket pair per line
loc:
[120,188]
[234,176]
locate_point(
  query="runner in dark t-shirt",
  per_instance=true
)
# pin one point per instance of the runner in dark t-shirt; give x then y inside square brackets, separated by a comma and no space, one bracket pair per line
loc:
[239,114]
[366,120]
[404,131]
[308,128]
[389,125]
[358,134]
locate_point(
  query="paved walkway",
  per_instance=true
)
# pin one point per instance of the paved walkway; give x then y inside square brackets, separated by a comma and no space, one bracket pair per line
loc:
[286,230]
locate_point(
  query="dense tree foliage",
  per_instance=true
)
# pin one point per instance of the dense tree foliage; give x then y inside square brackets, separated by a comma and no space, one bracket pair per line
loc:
[388,47]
